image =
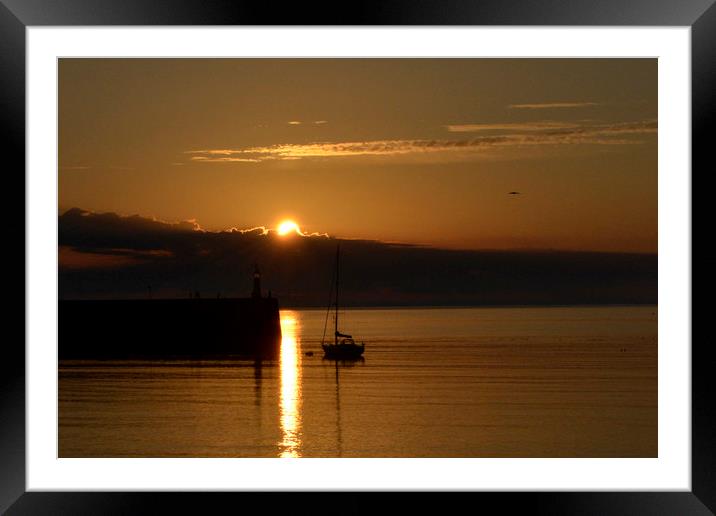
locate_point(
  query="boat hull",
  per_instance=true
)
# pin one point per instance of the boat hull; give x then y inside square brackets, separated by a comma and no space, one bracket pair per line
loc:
[343,351]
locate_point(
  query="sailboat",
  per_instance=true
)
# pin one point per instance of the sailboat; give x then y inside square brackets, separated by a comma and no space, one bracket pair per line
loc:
[343,346]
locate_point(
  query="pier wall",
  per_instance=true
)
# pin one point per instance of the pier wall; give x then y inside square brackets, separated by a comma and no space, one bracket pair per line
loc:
[168,328]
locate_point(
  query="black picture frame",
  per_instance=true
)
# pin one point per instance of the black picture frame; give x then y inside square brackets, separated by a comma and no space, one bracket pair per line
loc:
[16,15]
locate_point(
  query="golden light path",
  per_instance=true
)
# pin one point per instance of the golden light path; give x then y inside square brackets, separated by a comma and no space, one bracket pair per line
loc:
[290,401]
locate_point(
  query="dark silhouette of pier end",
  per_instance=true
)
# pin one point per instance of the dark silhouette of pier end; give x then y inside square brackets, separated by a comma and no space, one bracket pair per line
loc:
[168,328]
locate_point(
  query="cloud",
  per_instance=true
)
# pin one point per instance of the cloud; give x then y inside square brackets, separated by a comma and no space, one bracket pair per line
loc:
[86,226]
[77,219]
[263,231]
[226,152]
[530,134]
[258,230]
[105,255]
[106,258]
[553,105]
[225,159]
[315,122]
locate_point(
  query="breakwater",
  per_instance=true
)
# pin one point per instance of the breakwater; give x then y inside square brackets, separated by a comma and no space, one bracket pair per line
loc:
[168,328]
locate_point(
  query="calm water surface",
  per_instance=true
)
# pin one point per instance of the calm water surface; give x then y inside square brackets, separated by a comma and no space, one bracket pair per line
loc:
[473,382]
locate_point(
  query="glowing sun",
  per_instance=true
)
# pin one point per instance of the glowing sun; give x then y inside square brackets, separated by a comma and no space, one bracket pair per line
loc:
[288,227]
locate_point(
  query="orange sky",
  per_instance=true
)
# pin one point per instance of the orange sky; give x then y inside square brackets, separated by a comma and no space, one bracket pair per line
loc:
[410,150]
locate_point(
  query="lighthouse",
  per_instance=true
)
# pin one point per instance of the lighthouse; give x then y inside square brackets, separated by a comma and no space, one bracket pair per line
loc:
[256,293]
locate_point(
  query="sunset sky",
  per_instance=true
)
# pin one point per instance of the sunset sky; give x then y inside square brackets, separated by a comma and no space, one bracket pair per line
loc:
[402,150]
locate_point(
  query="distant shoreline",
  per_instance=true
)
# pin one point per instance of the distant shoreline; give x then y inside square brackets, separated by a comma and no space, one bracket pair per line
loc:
[433,307]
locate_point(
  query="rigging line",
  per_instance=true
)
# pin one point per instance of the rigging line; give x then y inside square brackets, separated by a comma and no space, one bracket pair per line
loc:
[328,311]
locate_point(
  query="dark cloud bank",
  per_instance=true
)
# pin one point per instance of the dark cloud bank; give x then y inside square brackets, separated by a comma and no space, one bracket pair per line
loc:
[108,256]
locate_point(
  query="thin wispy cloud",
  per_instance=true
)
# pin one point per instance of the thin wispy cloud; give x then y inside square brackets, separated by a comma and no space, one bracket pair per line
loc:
[315,122]
[225,159]
[605,134]
[552,105]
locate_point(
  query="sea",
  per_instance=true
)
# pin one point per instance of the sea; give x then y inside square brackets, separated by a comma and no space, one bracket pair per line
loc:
[433,382]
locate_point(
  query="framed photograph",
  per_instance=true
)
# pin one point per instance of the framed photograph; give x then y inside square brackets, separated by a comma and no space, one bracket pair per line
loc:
[444,249]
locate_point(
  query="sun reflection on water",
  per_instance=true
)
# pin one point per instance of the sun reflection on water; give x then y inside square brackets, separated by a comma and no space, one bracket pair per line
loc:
[290,401]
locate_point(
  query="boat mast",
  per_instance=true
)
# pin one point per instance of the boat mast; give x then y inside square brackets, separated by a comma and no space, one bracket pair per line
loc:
[335,333]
